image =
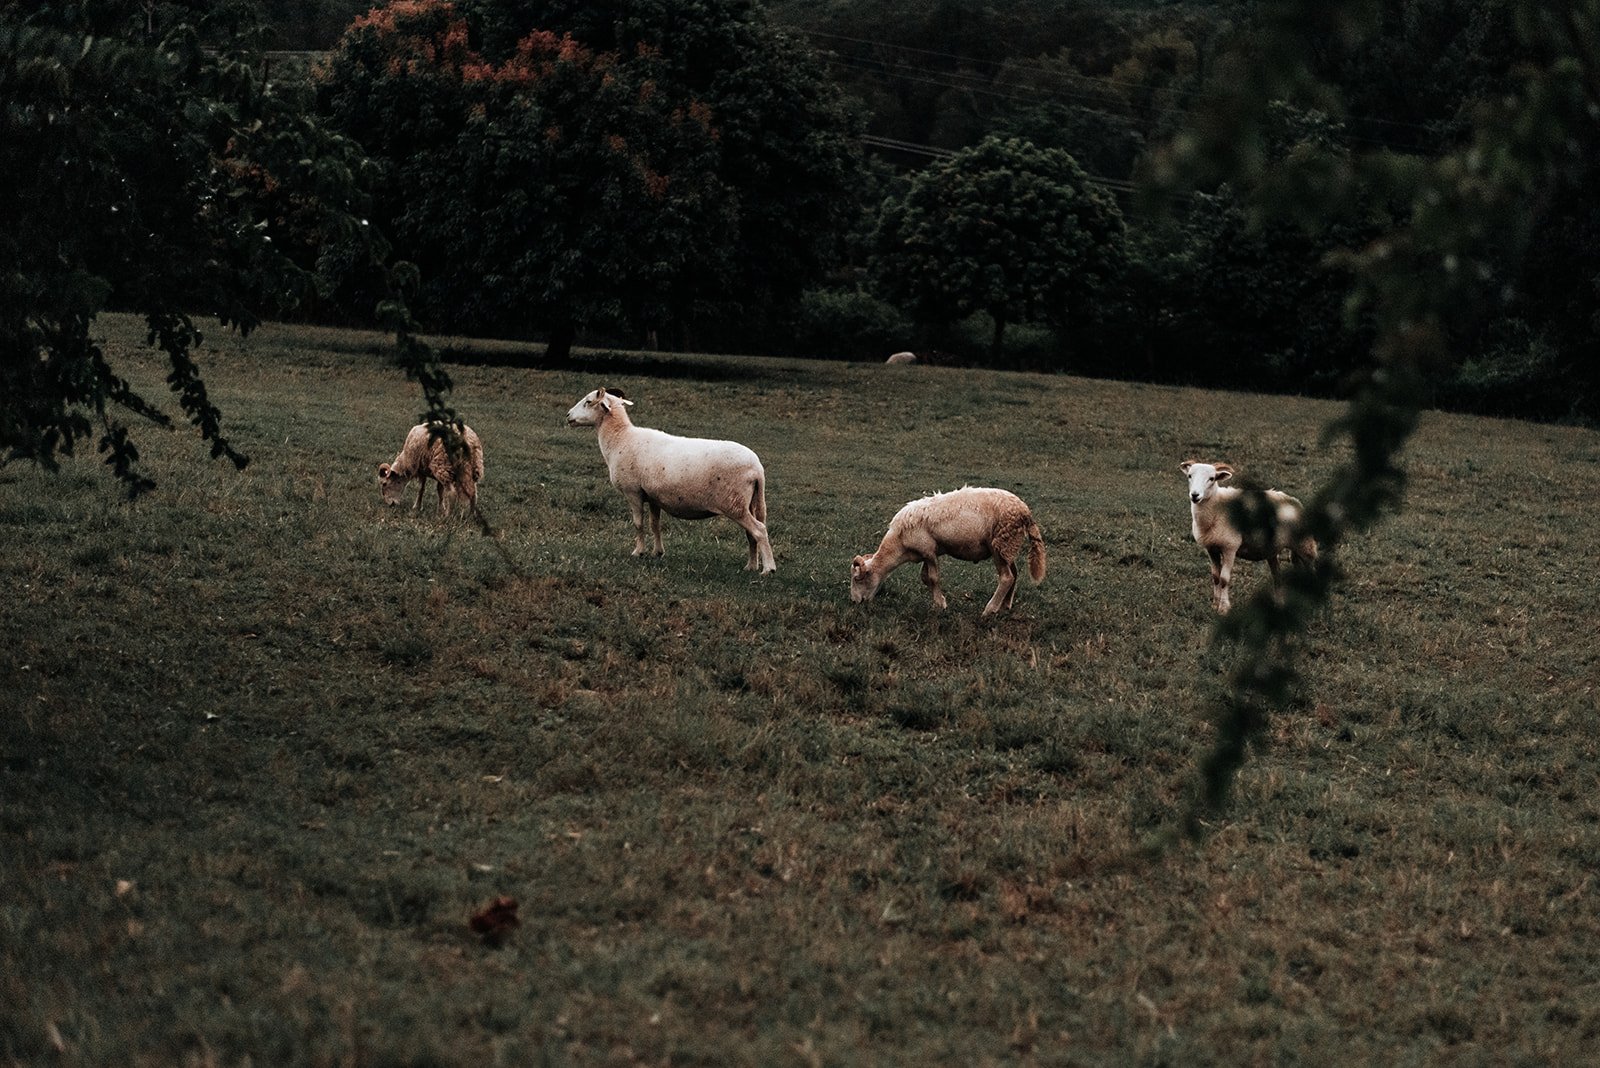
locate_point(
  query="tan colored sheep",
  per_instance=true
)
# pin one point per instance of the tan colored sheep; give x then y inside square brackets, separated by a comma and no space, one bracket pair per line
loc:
[690,478]
[449,452]
[972,523]
[1215,532]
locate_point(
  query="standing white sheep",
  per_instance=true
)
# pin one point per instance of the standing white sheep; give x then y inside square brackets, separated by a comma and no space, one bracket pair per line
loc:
[972,523]
[450,452]
[1215,532]
[690,478]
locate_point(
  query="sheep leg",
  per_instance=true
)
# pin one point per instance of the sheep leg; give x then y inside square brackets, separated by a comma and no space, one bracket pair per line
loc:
[930,578]
[636,508]
[422,487]
[445,500]
[1221,577]
[655,527]
[1006,590]
[755,531]
[769,562]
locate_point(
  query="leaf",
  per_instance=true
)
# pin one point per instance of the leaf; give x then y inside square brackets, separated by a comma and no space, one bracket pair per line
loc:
[495,921]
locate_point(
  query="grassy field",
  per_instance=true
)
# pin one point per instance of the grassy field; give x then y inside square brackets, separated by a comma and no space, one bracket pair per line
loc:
[265,745]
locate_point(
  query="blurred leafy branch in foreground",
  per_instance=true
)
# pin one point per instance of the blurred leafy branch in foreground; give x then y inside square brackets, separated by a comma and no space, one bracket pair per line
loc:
[147,172]
[1451,231]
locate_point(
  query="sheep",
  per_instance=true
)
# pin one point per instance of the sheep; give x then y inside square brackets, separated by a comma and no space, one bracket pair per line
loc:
[972,523]
[902,357]
[450,452]
[1215,532]
[690,478]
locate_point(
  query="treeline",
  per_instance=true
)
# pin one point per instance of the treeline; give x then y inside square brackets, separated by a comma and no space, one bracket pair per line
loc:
[849,178]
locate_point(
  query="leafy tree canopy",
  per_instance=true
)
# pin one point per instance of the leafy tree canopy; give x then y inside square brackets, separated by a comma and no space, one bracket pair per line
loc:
[555,187]
[599,163]
[1006,228]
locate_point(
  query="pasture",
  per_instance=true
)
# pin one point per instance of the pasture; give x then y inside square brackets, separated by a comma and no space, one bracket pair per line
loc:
[267,745]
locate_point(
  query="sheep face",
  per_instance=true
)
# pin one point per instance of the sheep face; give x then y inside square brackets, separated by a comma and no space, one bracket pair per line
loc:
[863,580]
[593,408]
[391,483]
[1204,478]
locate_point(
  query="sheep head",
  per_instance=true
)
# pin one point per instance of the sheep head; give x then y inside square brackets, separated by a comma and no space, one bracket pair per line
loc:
[863,580]
[1204,478]
[595,406]
[391,482]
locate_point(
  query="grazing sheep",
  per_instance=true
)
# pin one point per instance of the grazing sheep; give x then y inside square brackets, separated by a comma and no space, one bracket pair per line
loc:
[1222,541]
[902,357]
[450,452]
[971,523]
[691,478]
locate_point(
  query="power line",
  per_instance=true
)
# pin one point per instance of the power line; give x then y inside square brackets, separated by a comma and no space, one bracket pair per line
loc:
[911,148]
[885,70]
[964,83]
[977,84]
[1088,80]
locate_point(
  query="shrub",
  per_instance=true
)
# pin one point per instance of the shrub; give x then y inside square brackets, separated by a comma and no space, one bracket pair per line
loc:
[1518,373]
[832,322]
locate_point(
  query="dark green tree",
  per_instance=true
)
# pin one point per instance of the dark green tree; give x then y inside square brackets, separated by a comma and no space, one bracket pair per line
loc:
[1005,228]
[787,137]
[761,189]
[554,189]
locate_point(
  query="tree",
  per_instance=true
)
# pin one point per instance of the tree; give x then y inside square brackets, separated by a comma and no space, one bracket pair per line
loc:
[554,189]
[1005,228]
[128,165]
[555,166]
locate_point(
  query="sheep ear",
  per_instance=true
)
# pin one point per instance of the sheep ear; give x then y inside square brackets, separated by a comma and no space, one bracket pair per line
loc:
[1184,467]
[383,470]
[1224,473]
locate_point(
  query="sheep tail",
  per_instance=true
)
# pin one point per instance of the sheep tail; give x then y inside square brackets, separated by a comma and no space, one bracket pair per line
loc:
[758,499]
[1035,551]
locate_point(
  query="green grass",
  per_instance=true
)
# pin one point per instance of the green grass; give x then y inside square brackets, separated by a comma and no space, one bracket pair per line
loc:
[267,745]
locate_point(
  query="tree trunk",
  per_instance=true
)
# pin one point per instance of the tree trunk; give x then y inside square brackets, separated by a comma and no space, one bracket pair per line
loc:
[558,350]
[999,339]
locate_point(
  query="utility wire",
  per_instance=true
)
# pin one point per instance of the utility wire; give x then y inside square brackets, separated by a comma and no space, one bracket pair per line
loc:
[934,152]
[891,71]
[1086,79]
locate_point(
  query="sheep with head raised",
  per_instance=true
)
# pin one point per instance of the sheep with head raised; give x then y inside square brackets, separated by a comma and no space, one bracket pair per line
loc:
[690,478]
[972,523]
[1216,533]
[449,452]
